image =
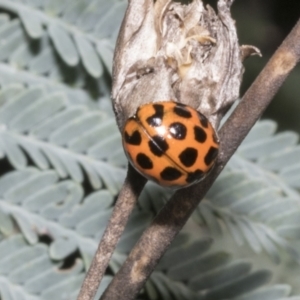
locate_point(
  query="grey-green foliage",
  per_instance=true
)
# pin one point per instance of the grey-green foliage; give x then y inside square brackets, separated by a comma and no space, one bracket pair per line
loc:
[210,274]
[192,270]
[257,198]
[28,273]
[38,201]
[72,138]
[35,62]
[80,31]
[58,133]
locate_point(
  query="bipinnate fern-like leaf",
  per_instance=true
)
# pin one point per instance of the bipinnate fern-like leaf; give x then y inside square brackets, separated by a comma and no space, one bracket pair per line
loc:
[276,154]
[39,203]
[80,31]
[258,204]
[28,273]
[210,274]
[31,63]
[69,138]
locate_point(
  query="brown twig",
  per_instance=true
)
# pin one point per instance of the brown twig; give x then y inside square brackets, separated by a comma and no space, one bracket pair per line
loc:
[156,239]
[132,187]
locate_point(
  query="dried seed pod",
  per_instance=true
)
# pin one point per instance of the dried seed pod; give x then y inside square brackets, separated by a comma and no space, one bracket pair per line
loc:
[186,54]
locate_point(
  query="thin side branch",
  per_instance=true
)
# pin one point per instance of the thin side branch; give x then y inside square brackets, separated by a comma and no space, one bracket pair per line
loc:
[132,187]
[156,239]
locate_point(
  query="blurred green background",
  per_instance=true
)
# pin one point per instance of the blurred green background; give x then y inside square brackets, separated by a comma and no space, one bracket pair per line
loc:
[264,24]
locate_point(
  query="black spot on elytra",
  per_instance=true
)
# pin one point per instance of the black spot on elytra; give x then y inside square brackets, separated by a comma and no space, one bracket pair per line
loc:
[170,174]
[200,134]
[195,176]
[156,119]
[188,156]
[134,139]
[158,145]
[178,131]
[210,155]
[203,120]
[144,161]
[182,111]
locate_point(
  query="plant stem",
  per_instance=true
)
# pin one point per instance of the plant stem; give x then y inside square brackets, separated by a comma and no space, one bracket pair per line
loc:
[132,187]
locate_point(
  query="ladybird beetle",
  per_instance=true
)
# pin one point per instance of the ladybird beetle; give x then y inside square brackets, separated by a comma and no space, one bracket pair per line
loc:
[170,143]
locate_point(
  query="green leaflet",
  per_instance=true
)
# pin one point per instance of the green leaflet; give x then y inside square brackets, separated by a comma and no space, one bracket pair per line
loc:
[50,131]
[32,63]
[27,272]
[38,201]
[88,23]
[257,204]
